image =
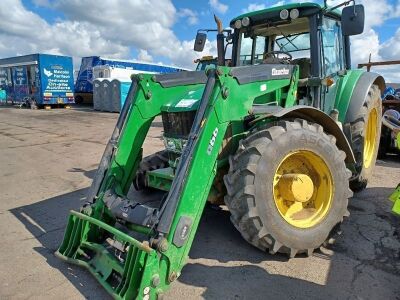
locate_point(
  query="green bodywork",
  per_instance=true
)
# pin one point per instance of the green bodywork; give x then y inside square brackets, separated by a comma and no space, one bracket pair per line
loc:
[145,271]
[85,234]
[346,85]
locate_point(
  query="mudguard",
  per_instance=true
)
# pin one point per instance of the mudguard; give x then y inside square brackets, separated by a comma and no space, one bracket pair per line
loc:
[360,93]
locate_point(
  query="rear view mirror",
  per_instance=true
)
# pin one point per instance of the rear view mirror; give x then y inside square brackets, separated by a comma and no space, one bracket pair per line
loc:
[200,41]
[353,18]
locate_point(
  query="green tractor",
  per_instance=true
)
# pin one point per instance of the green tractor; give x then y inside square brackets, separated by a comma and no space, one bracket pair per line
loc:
[281,137]
[205,61]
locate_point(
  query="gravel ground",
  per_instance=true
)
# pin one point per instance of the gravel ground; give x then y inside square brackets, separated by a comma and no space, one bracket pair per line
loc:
[47,161]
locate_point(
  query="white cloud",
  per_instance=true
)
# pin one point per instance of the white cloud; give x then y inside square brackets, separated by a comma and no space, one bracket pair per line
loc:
[254,7]
[218,6]
[364,45]
[191,16]
[258,6]
[377,13]
[279,3]
[108,29]
[23,32]
[112,28]
[144,56]
[391,49]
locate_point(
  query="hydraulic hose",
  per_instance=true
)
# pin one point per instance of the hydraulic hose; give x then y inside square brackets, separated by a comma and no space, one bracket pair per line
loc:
[170,205]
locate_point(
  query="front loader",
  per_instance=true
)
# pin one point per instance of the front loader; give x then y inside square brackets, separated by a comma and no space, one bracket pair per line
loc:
[279,137]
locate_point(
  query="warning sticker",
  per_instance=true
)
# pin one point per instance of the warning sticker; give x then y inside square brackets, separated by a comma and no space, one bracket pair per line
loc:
[186,103]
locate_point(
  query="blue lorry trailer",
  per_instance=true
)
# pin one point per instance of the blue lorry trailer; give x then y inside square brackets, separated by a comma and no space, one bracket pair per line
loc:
[39,79]
[84,82]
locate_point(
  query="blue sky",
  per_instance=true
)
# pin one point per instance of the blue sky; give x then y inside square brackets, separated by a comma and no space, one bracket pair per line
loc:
[157,30]
[204,11]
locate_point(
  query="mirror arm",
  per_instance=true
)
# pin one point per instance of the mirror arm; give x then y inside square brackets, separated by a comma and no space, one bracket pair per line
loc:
[326,9]
[228,31]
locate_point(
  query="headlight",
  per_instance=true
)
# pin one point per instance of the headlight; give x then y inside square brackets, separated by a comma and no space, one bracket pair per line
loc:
[284,14]
[294,13]
[246,21]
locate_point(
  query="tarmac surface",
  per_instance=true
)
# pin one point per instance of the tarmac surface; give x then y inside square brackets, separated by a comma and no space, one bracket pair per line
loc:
[47,161]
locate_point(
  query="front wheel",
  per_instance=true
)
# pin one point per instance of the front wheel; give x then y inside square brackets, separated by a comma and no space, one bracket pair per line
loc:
[154,161]
[287,187]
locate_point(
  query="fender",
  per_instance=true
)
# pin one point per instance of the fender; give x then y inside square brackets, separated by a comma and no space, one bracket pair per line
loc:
[360,92]
[311,114]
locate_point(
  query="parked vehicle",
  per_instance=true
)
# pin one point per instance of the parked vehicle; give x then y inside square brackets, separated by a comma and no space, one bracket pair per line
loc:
[94,67]
[37,79]
[390,134]
[205,61]
[280,136]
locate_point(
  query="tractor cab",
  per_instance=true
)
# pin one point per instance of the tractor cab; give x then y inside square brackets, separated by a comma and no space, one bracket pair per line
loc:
[204,62]
[314,38]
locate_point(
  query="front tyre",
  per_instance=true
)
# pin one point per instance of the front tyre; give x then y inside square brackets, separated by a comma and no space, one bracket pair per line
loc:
[152,162]
[287,187]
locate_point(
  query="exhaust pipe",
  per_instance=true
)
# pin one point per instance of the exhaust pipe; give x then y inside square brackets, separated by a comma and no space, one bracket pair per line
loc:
[220,42]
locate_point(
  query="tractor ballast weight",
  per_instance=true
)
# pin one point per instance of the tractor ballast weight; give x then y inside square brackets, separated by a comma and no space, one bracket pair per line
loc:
[274,147]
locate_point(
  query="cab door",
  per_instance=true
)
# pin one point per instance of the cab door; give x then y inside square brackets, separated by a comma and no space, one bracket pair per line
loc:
[333,60]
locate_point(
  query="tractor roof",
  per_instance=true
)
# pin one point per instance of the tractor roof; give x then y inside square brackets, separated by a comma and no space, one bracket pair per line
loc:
[304,5]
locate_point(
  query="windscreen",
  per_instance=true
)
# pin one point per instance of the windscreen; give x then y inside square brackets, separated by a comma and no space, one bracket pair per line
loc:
[292,37]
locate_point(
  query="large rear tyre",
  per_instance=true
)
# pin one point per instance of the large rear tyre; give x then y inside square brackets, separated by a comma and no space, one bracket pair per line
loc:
[365,137]
[287,187]
[152,162]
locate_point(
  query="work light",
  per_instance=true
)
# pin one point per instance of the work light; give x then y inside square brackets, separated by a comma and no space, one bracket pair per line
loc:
[246,21]
[238,24]
[284,14]
[294,13]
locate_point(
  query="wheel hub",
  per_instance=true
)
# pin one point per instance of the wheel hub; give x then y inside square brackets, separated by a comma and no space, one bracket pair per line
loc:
[303,189]
[371,130]
[296,187]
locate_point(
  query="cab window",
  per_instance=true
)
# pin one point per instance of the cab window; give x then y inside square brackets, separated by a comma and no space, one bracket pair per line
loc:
[246,49]
[332,50]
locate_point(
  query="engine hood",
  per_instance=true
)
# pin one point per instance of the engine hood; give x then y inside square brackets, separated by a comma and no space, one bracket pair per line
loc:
[188,101]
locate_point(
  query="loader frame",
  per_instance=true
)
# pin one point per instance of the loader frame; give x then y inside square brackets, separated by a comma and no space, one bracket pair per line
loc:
[172,235]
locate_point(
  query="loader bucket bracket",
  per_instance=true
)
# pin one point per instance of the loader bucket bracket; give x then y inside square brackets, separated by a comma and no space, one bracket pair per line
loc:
[124,266]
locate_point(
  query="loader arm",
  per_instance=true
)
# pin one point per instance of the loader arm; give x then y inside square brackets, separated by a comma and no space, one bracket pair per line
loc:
[144,269]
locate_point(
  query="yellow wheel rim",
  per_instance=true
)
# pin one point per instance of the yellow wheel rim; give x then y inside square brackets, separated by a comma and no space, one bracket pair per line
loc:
[371,130]
[303,189]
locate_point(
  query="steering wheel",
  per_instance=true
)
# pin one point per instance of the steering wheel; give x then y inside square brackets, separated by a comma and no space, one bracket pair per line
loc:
[276,54]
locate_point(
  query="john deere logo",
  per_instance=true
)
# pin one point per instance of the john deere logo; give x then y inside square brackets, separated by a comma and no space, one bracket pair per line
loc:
[277,72]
